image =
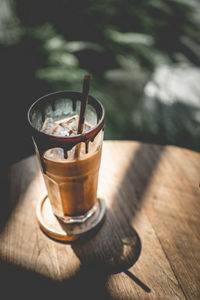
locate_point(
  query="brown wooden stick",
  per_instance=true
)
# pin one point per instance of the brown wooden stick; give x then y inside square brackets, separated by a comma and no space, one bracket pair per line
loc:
[86,87]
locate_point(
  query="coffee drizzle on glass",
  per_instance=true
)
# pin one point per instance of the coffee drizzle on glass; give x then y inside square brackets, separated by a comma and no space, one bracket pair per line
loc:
[44,141]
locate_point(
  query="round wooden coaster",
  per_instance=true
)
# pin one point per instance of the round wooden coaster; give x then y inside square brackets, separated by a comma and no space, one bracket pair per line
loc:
[66,232]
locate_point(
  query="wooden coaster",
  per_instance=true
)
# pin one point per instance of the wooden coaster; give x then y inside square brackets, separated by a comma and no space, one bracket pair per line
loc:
[58,230]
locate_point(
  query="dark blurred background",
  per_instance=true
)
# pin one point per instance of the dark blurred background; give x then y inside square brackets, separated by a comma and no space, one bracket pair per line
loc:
[143,56]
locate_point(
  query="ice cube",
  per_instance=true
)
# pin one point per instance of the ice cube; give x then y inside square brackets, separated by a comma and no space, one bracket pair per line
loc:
[49,126]
[53,128]
[58,154]
[60,131]
[54,153]
[64,127]
[71,125]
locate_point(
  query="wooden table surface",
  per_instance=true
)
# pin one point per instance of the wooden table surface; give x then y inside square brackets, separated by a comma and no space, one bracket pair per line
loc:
[147,248]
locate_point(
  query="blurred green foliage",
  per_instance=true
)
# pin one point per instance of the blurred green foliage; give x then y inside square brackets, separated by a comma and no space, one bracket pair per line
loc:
[47,46]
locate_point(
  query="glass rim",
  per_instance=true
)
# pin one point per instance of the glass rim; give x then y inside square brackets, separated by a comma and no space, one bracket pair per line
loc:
[74,138]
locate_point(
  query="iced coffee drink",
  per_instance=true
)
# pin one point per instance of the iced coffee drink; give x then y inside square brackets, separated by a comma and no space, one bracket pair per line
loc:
[71,178]
[67,129]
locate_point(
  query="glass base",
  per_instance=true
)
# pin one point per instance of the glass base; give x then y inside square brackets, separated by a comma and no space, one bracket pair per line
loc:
[79,219]
[59,230]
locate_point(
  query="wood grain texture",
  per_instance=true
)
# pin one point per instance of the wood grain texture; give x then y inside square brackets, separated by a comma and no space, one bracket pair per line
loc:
[147,248]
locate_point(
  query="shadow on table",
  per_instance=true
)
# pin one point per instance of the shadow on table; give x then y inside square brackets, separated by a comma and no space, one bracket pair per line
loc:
[111,250]
[117,246]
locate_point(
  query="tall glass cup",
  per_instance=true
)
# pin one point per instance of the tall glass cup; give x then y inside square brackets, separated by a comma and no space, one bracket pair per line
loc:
[71,179]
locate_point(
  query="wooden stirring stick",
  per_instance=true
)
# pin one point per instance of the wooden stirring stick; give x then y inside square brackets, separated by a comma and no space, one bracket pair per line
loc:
[86,87]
